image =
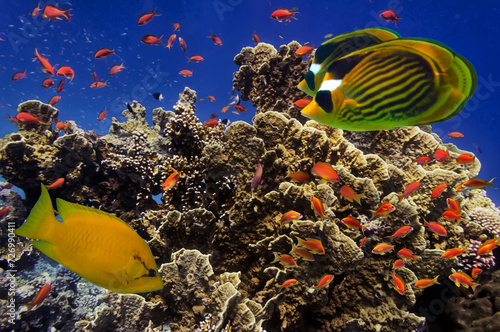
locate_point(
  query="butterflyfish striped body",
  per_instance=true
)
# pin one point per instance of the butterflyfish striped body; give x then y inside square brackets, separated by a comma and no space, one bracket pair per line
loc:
[94,244]
[393,83]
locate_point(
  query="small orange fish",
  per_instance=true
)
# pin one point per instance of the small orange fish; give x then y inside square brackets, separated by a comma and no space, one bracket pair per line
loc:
[287,283]
[398,264]
[196,58]
[410,189]
[422,160]
[171,40]
[42,295]
[102,115]
[182,43]
[116,69]
[313,245]
[54,100]
[255,38]
[286,260]
[353,223]
[66,71]
[407,254]
[303,253]
[436,227]
[152,40]
[349,194]
[290,216]
[240,108]
[52,13]
[325,172]
[424,283]
[211,123]
[383,210]
[442,155]
[304,50]
[97,85]
[62,125]
[25,117]
[47,67]
[301,103]
[382,248]
[103,52]
[362,242]
[17,76]
[186,73]
[465,159]
[298,176]
[476,272]
[460,188]
[455,134]
[225,108]
[48,82]
[280,14]
[60,86]
[35,11]
[399,284]
[438,190]
[478,184]
[317,207]
[176,26]
[462,279]
[215,39]
[452,216]
[212,98]
[453,252]
[325,281]
[56,184]
[171,180]
[453,206]
[146,17]
[401,232]
[390,15]
[487,247]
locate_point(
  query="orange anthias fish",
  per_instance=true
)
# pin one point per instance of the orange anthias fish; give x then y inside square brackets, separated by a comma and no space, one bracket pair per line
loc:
[410,189]
[313,245]
[442,155]
[287,283]
[186,73]
[171,180]
[362,242]
[407,254]
[62,125]
[56,184]
[465,159]
[382,248]
[298,176]
[453,206]
[390,15]
[325,281]
[424,283]
[304,50]
[257,177]
[17,76]
[255,38]
[452,216]
[102,115]
[317,207]
[455,134]
[478,184]
[42,294]
[103,52]
[436,227]
[475,272]
[353,223]
[280,14]
[438,190]
[171,40]
[53,13]
[453,252]
[196,58]
[25,117]
[325,172]
[47,67]
[35,11]
[152,40]
[215,39]
[303,253]
[462,279]
[211,123]
[48,82]
[301,103]
[146,17]
[66,71]
[401,232]
[182,43]
[290,216]
[240,108]
[399,284]
[398,264]
[422,160]
[60,86]
[212,98]
[176,26]
[286,260]
[116,69]
[97,84]
[487,247]
[350,195]
[54,100]
[383,210]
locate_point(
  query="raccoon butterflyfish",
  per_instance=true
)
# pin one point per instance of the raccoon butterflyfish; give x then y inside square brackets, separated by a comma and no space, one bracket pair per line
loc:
[400,82]
[94,244]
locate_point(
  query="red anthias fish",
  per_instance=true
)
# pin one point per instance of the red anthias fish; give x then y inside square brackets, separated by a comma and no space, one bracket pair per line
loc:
[116,69]
[17,76]
[171,40]
[304,50]
[60,86]
[53,13]
[438,190]
[103,52]
[211,123]
[48,82]
[42,294]
[257,178]
[455,134]
[56,184]
[182,43]
[186,73]
[280,14]
[390,15]
[151,40]
[176,26]
[102,115]
[215,39]
[195,58]
[54,100]
[146,17]
[25,117]
[255,38]
[171,180]
[66,71]
[47,67]
[442,155]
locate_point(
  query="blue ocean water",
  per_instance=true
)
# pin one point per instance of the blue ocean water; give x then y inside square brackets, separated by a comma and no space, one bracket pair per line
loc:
[149,69]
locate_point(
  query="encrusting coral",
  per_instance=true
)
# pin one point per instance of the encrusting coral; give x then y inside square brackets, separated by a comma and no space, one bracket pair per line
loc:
[215,233]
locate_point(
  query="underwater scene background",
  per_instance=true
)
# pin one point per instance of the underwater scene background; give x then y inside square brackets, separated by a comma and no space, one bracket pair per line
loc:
[213,199]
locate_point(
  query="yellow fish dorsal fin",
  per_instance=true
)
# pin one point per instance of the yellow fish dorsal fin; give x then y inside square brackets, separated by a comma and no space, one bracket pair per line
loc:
[66,208]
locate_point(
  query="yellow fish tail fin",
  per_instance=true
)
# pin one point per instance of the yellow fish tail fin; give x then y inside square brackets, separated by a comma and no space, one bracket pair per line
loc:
[41,219]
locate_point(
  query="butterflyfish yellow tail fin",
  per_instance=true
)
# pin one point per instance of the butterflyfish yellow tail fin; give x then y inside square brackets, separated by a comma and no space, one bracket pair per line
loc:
[41,220]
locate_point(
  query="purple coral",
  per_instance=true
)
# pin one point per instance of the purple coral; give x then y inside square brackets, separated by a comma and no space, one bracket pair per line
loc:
[489,219]
[471,259]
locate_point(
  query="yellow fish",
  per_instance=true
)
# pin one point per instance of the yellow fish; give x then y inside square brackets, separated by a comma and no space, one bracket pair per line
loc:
[94,244]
